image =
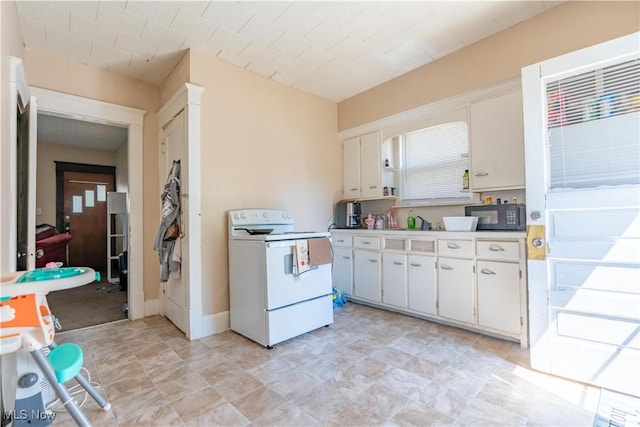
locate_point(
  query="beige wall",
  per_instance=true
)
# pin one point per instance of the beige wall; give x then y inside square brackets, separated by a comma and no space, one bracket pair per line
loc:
[264,145]
[48,154]
[565,28]
[10,45]
[48,72]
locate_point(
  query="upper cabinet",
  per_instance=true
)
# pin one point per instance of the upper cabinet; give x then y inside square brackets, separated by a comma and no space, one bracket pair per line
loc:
[362,167]
[497,143]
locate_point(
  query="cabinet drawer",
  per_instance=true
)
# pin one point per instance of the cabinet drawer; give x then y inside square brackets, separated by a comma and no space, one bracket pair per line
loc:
[455,248]
[498,250]
[340,240]
[366,242]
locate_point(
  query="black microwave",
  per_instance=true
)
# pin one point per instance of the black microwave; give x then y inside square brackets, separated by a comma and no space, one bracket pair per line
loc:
[505,217]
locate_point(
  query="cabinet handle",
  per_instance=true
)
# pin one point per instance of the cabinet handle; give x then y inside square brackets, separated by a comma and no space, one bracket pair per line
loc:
[346,257]
[487,271]
[397,263]
[366,243]
[453,246]
[371,187]
[446,267]
[413,264]
[373,260]
[496,248]
[353,189]
[479,174]
[340,241]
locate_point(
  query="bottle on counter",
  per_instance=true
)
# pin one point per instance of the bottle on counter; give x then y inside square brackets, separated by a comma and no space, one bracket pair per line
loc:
[411,220]
[465,180]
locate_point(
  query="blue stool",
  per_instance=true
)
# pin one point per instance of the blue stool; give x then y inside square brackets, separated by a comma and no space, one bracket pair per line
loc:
[61,365]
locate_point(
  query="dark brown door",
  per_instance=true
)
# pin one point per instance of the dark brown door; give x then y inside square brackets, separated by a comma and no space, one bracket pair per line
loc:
[85,211]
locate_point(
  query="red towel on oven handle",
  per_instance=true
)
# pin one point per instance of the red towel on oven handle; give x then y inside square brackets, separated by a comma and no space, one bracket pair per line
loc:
[319,251]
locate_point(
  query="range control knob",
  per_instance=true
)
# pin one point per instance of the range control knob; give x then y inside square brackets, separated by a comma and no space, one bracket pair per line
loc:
[243,215]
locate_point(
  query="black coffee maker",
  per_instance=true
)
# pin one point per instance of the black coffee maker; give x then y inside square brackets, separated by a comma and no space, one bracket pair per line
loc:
[348,215]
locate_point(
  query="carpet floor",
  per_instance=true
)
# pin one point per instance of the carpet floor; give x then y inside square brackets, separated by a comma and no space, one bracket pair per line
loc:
[88,305]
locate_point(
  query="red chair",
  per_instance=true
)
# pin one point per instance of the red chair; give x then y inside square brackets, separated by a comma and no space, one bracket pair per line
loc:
[51,246]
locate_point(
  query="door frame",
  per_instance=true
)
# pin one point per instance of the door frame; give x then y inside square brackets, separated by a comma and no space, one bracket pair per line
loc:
[61,168]
[90,110]
[20,97]
[188,98]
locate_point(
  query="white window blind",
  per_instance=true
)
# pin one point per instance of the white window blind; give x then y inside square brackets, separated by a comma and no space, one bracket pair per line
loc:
[594,128]
[434,160]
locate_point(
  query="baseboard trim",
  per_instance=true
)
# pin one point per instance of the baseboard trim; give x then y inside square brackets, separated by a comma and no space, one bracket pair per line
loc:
[213,324]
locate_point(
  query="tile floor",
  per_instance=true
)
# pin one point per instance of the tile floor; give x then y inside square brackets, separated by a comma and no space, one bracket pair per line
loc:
[371,367]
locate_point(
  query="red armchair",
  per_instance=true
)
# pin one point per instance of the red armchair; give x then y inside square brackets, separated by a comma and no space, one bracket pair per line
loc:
[51,246]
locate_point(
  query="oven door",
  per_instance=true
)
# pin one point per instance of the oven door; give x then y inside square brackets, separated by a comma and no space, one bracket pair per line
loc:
[285,288]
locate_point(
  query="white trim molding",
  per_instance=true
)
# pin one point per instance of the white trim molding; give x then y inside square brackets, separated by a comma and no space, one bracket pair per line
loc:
[188,98]
[79,108]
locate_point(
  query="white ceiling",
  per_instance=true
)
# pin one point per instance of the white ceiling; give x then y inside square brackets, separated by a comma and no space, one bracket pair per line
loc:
[334,49]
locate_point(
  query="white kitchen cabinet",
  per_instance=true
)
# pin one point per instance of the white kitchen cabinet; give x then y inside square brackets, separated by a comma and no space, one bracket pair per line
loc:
[362,167]
[421,283]
[455,289]
[497,143]
[476,280]
[498,287]
[342,272]
[394,279]
[351,168]
[366,275]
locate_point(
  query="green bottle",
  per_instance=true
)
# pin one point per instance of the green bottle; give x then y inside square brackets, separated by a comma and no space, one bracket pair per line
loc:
[411,220]
[465,180]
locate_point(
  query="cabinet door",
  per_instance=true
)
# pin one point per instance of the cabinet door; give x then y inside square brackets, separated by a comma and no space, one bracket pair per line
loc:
[394,279]
[366,275]
[370,165]
[351,168]
[497,143]
[455,289]
[499,295]
[421,283]
[343,269]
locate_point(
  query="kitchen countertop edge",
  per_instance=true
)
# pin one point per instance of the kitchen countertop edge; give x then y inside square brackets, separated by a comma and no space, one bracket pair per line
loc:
[432,233]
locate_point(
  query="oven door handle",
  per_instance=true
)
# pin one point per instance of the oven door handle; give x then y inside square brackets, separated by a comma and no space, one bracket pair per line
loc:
[281,244]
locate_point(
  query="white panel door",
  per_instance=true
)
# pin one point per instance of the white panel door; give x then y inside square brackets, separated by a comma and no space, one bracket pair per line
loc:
[582,149]
[175,298]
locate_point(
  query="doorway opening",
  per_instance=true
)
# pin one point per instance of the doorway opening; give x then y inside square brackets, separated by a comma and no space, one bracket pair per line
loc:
[92,113]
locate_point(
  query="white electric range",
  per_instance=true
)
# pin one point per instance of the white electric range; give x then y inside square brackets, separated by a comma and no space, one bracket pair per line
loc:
[274,296]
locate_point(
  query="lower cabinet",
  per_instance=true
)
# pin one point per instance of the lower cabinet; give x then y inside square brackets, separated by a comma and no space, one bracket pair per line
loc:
[421,284]
[342,273]
[366,275]
[478,283]
[499,296]
[394,279]
[455,289]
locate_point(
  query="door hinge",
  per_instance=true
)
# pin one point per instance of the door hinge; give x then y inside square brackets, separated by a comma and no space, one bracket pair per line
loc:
[520,271]
[473,268]
[474,312]
[521,321]
[437,305]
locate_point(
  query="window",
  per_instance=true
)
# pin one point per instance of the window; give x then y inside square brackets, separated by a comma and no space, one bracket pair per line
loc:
[433,161]
[593,128]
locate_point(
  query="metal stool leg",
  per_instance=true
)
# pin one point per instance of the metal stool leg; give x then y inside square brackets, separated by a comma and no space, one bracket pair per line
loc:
[100,399]
[78,416]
